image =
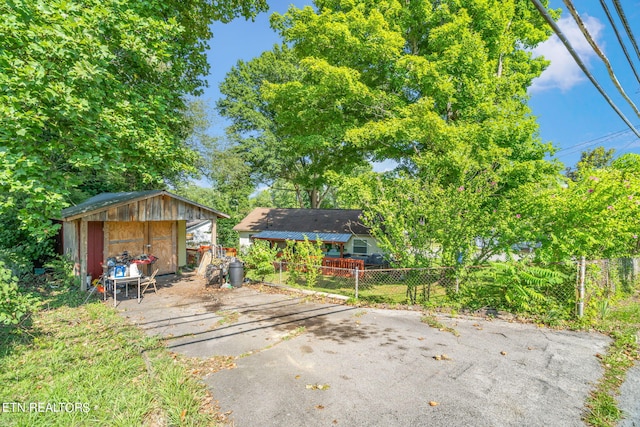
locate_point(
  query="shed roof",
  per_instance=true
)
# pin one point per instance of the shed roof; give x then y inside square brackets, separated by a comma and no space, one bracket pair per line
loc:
[299,236]
[106,201]
[340,221]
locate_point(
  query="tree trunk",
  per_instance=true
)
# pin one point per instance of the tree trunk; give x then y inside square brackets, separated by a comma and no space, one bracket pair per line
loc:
[313,198]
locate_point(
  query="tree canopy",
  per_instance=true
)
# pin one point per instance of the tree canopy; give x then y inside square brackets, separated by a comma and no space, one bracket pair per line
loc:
[431,85]
[438,87]
[93,97]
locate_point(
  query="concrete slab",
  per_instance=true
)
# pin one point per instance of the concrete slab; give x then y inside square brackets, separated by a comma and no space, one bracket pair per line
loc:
[304,363]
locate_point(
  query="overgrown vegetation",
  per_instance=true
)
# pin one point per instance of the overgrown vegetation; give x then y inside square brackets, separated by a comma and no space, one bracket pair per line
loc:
[303,260]
[92,368]
[259,258]
[622,323]
[14,305]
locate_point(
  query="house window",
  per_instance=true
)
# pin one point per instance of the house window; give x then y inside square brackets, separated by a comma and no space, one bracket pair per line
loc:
[360,246]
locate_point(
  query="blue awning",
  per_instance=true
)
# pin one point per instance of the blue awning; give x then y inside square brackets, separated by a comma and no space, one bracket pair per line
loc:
[299,236]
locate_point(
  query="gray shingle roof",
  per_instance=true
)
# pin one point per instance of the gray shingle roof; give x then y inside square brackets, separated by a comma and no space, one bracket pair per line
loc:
[340,221]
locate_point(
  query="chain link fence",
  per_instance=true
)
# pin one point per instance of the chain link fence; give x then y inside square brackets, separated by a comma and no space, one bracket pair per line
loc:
[552,291]
[607,280]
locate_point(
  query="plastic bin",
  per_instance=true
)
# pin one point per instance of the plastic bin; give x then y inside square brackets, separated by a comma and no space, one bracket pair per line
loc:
[236,274]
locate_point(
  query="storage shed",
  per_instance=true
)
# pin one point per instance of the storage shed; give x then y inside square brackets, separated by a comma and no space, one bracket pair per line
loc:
[139,223]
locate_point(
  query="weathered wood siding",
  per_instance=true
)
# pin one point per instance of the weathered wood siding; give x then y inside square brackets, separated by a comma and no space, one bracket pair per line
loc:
[159,208]
[124,236]
[152,225]
[163,241]
[158,238]
[72,244]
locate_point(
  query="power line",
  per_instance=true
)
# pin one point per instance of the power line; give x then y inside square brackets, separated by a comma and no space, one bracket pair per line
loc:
[592,142]
[619,37]
[620,147]
[576,58]
[626,26]
[598,51]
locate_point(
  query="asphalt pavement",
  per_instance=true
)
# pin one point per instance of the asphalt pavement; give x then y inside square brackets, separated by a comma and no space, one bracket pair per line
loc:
[301,362]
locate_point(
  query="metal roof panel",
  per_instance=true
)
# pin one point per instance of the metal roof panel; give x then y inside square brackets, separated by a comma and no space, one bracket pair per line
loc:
[299,236]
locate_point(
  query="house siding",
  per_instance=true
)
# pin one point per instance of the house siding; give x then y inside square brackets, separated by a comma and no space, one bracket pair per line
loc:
[372,245]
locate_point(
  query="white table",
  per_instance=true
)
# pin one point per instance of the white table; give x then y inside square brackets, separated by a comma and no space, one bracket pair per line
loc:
[126,281]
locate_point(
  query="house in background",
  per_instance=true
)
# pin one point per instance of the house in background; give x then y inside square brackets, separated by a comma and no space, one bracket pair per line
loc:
[341,230]
[141,222]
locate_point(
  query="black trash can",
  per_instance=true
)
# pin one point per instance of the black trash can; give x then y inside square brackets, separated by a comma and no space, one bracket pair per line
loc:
[236,273]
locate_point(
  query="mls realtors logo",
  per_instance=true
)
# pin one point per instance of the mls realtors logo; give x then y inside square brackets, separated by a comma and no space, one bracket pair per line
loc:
[56,407]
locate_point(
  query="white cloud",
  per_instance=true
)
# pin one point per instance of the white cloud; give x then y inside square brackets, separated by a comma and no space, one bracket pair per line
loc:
[563,73]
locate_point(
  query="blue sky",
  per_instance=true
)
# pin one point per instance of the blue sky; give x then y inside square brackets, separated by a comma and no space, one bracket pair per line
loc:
[572,114]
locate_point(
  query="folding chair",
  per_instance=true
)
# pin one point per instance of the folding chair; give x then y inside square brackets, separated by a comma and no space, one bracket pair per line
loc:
[149,281]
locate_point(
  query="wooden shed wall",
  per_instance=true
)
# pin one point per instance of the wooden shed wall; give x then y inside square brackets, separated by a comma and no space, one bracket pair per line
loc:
[71,242]
[154,237]
[158,208]
[156,221]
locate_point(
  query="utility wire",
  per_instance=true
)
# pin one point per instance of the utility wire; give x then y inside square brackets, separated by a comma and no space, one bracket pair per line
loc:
[626,26]
[619,37]
[598,141]
[576,58]
[598,51]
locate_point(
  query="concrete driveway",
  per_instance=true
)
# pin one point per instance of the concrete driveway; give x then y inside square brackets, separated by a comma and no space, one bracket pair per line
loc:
[301,362]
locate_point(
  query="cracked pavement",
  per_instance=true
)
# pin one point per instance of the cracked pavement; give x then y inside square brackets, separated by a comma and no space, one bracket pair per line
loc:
[303,362]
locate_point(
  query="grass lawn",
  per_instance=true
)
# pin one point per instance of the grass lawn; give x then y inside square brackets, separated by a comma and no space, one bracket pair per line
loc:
[83,365]
[373,287]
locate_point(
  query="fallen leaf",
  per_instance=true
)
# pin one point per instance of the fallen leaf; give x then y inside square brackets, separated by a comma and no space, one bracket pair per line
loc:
[441,357]
[183,415]
[420,339]
[504,353]
[432,403]
[319,407]
[317,386]
[297,377]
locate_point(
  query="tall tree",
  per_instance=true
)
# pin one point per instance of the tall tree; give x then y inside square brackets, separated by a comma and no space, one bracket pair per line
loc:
[441,89]
[94,89]
[301,153]
[598,158]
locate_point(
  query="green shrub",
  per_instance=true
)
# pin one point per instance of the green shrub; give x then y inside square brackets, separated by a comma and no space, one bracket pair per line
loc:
[259,258]
[14,305]
[62,272]
[521,288]
[303,259]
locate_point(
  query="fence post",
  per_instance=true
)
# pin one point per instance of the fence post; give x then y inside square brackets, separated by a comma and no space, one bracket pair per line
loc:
[280,263]
[357,281]
[582,274]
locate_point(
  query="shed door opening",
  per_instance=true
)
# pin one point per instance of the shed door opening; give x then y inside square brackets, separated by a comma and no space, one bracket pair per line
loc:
[95,248]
